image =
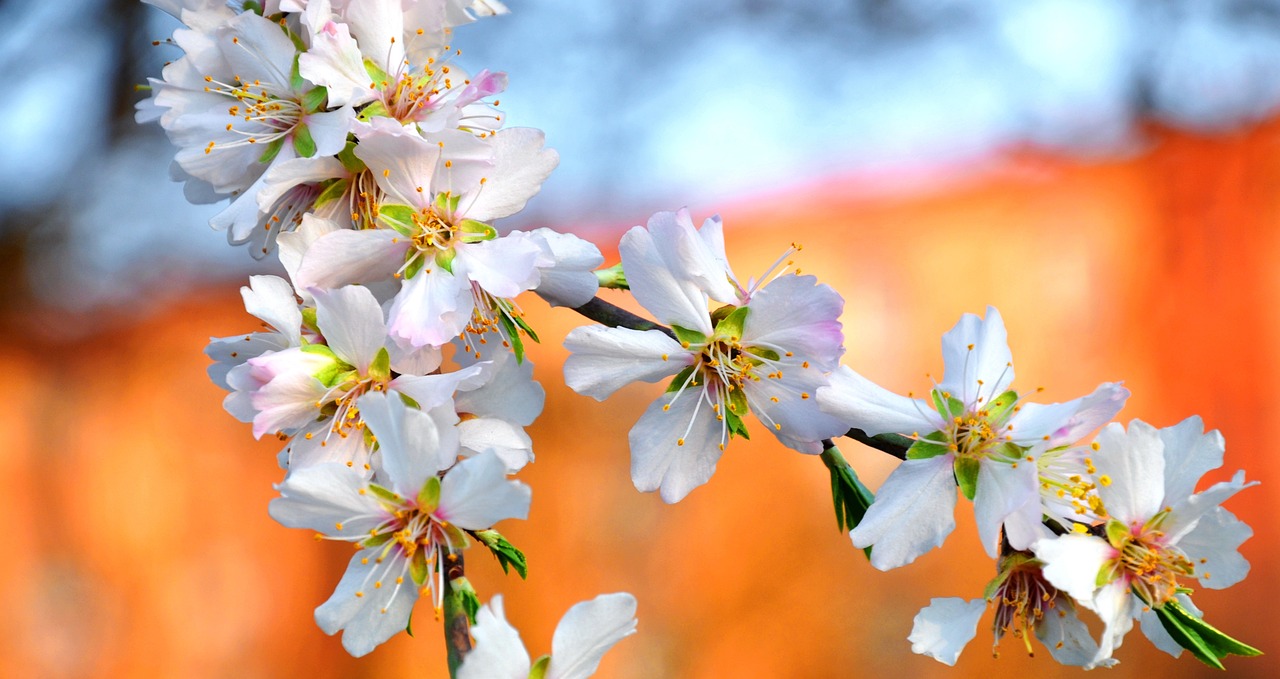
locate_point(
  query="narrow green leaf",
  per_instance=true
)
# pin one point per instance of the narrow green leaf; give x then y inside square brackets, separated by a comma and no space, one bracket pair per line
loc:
[296,82]
[505,552]
[850,497]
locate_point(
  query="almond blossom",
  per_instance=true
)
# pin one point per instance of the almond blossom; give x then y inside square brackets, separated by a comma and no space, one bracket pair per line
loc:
[767,352]
[1004,452]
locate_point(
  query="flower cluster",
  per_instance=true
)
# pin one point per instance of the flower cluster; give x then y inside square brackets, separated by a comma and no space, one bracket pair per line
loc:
[391,362]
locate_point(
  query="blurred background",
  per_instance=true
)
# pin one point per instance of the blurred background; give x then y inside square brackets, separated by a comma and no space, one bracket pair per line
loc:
[1106,172]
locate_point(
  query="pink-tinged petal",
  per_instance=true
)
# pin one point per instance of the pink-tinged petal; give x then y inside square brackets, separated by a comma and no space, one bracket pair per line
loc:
[482,86]
[568,276]
[401,162]
[271,299]
[689,255]
[1189,453]
[414,445]
[603,360]
[1066,636]
[675,450]
[490,435]
[294,246]
[323,497]
[504,267]
[379,613]
[520,165]
[407,359]
[587,631]
[1072,562]
[942,629]
[1186,514]
[498,652]
[1214,547]
[351,320]
[789,408]
[260,51]
[799,315]
[671,298]
[231,352]
[863,404]
[914,511]
[1062,424]
[1003,489]
[432,308]
[286,402]
[343,257]
[712,236]
[1133,464]
[288,174]
[335,62]
[989,361]
[425,37]
[476,494]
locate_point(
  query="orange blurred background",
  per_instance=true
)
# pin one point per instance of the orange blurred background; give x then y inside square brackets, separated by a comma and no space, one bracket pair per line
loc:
[138,543]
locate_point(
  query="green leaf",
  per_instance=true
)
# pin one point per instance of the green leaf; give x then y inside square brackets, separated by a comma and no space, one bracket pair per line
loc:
[735,425]
[333,190]
[1206,642]
[314,99]
[303,142]
[932,445]
[398,217]
[273,149]
[470,601]
[688,337]
[253,6]
[850,497]
[419,569]
[506,553]
[429,496]
[513,336]
[731,325]
[376,74]
[408,627]
[967,475]
[539,669]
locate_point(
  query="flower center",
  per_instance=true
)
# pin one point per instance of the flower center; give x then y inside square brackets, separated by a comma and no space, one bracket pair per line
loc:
[1150,565]
[263,112]
[1022,601]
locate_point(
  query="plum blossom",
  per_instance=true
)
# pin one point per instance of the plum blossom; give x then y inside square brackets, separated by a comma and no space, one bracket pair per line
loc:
[405,522]
[1004,452]
[585,633]
[767,351]
[1157,531]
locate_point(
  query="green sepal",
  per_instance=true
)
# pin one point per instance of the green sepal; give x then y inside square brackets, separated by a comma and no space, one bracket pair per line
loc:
[303,142]
[419,569]
[613,277]
[1009,451]
[380,368]
[409,400]
[689,337]
[476,231]
[679,381]
[735,425]
[253,6]
[273,149]
[722,313]
[309,320]
[414,267]
[1108,573]
[296,81]
[506,553]
[539,669]
[469,599]
[967,475]
[384,494]
[373,110]
[731,325]
[332,372]
[948,406]
[447,202]
[351,162]
[850,497]
[1117,533]
[932,445]
[1206,642]
[408,626]
[333,190]
[376,74]
[315,99]
[513,336]
[767,354]
[398,217]
[429,496]
[376,540]
[1000,406]
[444,259]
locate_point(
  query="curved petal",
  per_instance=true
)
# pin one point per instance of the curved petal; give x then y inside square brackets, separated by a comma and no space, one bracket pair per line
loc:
[271,299]
[400,162]
[674,450]
[344,257]
[1213,546]
[506,440]
[977,360]
[413,445]
[670,297]
[1066,636]
[691,256]
[587,631]
[1133,464]
[942,629]
[1061,424]
[1189,453]
[603,360]
[498,653]
[1186,515]
[326,498]
[797,314]
[520,165]
[1072,562]
[863,404]
[504,267]
[476,494]
[370,615]
[1003,489]
[351,320]
[431,308]
[914,511]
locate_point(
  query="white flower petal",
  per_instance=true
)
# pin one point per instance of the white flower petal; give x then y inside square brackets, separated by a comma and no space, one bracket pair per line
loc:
[1066,636]
[413,444]
[1117,608]
[431,308]
[345,256]
[476,494]
[502,438]
[1213,546]
[691,256]
[1153,629]
[1186,514]
[603,360]
[322,497]
[1133,463]
[863,404]
[914,511]
[675,450]
[351,320]
[271,299]
[520,165]
[942,629]
[672,298]
[400,162]
[498,652]
[507,392]
[1189,453]
[587,631]
[989,361]
[504,267]
[378,613]
[1003,489]
[1066,423]
[1072,562]
[800,315]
